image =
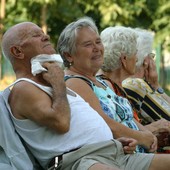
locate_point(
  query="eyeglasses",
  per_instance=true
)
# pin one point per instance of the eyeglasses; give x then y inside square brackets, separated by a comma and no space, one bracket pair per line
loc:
[152,55]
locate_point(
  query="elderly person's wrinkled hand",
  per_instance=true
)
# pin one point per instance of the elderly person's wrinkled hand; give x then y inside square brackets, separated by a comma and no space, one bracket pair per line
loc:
[129,144]
[154,145]
[53,74]
[161,125]
[162,132]
[149,141]
[151,75]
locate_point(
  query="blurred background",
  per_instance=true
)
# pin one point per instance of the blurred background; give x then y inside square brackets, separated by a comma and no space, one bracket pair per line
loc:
[54,15]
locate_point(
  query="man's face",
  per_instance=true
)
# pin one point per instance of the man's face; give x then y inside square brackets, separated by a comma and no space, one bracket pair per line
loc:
[35,42]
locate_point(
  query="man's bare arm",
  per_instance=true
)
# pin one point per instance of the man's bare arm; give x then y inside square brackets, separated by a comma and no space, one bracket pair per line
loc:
[29,102]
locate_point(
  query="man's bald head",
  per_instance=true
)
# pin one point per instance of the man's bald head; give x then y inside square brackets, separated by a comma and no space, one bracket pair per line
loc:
[14,36]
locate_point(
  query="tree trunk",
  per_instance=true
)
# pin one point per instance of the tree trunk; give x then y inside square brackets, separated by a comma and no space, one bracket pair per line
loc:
[2,16]
[43,18]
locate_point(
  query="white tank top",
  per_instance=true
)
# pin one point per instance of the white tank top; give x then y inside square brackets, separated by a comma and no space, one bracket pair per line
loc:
[86,127]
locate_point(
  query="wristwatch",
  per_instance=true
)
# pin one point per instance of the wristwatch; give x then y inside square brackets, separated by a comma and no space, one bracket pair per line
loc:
[160,90]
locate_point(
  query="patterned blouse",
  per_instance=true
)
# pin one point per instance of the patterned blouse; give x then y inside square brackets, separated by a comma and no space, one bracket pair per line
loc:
[116,107]
[151,104]
[122,93]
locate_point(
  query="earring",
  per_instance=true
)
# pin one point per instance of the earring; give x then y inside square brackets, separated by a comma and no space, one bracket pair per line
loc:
[71,63]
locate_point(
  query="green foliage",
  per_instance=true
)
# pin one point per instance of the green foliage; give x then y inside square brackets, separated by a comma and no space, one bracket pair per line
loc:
[148,14]
[153,15]
[161,23]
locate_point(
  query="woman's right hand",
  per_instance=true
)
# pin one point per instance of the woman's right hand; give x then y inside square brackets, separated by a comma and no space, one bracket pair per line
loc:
[149,141]
[151,75]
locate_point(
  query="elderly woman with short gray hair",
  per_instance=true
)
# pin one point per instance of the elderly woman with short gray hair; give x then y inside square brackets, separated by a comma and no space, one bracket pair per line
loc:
[120,58]
[82,51]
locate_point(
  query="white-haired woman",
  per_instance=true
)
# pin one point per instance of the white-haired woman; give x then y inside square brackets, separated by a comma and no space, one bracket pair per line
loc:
[82,51]
[120,63]
[120,44]
[144,88]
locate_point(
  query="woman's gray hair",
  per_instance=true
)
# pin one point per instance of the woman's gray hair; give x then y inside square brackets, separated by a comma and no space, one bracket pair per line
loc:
[117,41]
[67,39]
[144,45]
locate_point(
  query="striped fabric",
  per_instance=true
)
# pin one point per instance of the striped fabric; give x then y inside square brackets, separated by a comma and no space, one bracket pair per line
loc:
[152,105]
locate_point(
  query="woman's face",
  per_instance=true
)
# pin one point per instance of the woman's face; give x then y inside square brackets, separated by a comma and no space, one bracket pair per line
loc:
[130,65]
[145,66]
[88,56]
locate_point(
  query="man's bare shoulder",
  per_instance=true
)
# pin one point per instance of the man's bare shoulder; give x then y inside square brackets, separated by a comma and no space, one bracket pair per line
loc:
[24,96]
[24,89]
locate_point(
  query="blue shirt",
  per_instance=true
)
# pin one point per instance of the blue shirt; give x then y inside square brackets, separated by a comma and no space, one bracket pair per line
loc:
[114,106]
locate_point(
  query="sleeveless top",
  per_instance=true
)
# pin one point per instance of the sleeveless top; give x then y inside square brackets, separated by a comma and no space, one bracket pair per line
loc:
[116,107]
[46,144]
[122,93]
